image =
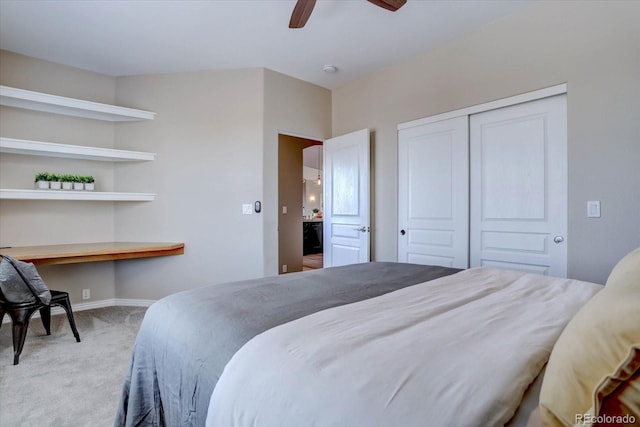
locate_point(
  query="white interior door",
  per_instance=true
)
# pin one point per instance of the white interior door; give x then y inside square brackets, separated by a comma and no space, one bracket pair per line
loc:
[346,198]
[433,193]
[519,187]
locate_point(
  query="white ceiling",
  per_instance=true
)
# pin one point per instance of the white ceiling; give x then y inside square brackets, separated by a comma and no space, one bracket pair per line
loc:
[127,37]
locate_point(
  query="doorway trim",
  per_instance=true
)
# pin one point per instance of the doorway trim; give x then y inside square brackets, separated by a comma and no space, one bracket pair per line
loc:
[299,135]
[491,105]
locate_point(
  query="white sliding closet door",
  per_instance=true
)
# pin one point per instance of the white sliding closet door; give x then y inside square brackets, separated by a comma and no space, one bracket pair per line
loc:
[433,193]
[518,175]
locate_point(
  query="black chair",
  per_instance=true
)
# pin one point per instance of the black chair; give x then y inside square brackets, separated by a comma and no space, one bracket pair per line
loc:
[21,313]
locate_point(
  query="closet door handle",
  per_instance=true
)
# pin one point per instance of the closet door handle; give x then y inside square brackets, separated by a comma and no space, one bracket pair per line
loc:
[558,239]
[403,232]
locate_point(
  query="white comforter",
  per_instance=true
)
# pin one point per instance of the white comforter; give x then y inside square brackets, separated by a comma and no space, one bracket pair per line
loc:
[455,351]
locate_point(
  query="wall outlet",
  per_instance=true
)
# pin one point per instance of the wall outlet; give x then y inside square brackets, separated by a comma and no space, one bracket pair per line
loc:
[86,293]
[284,268]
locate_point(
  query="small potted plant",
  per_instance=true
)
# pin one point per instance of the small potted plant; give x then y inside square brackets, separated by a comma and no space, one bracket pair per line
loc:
[77,182]
[42,180]
[89,183]
[67,182]
[54,181]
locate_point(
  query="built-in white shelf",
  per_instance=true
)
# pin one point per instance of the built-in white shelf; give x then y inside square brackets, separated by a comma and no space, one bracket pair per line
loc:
[51,149]
[21,98]
[38,101]
[15,194]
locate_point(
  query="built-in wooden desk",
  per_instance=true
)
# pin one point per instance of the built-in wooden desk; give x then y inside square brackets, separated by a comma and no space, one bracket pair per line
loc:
[90,252]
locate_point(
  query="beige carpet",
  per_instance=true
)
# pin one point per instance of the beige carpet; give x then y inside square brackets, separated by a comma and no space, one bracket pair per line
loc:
[63,383]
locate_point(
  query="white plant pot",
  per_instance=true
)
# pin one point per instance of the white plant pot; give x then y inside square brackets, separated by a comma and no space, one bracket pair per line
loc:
[55,185]
[43,185]
[89,186]
[78,185]
[67,185]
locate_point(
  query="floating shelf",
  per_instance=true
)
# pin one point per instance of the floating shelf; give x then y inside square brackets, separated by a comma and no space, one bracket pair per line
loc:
[51,149]
[21,98]
[13,194]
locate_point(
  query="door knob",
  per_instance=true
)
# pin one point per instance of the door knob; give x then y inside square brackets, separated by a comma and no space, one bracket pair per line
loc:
[558,239]
[403,232]
[362,229]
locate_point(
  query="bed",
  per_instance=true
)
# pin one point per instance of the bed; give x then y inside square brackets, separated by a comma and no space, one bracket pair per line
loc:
[368,344]
[186,339]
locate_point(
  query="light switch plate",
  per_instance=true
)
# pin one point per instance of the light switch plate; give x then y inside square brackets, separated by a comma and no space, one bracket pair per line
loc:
[593,209]
[247,209]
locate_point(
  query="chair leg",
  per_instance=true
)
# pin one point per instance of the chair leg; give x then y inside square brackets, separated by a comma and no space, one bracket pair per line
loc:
[45,315]
[1,317]
[20,319]
[66,304]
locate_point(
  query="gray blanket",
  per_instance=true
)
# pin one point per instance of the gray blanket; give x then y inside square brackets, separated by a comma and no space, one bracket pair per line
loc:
[186,339]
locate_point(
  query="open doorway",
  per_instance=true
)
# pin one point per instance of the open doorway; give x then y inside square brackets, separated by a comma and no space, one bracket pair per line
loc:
[313,207]
[300,204]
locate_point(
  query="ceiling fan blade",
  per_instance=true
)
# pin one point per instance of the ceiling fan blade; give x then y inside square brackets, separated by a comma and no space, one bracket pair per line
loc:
[301,13]
[391,5]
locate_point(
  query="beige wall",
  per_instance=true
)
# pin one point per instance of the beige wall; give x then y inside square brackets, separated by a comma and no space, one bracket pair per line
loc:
[213,134]
[592,46]
[51,222]
[207,137]
[291,107]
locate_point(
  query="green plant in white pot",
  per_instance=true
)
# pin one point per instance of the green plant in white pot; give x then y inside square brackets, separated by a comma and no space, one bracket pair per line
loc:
[54,181]
[42,180]
[67,181]
[78,184]
[89,183]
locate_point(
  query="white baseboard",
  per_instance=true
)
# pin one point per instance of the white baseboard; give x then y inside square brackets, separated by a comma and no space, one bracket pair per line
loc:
[113,302]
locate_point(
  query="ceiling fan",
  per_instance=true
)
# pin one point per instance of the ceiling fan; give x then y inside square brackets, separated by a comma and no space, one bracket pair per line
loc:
[302,10]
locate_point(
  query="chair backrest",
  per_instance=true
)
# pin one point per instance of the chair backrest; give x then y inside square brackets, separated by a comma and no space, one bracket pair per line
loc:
[22,283]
